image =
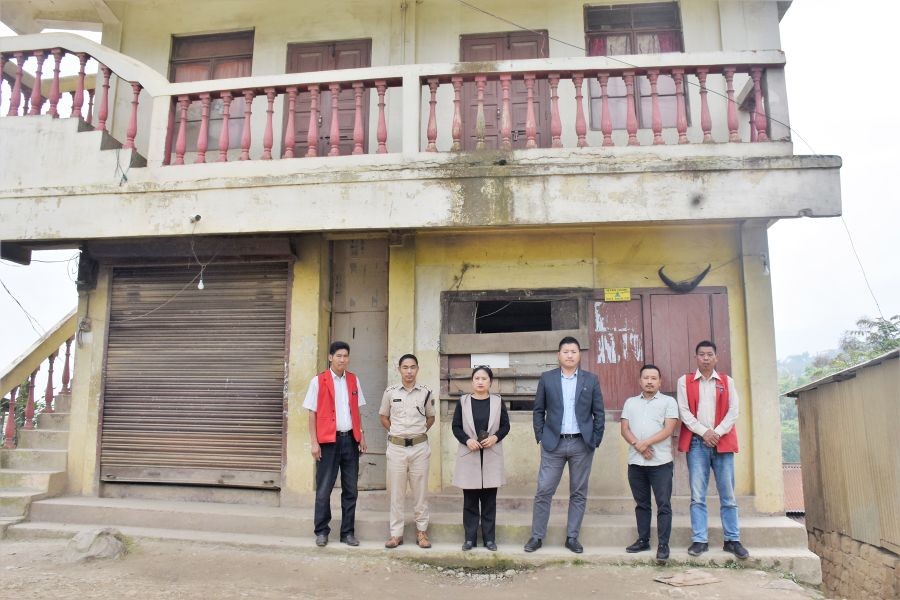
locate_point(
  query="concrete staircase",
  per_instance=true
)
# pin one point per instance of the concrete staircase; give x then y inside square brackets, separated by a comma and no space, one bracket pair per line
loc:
[36,468]
[775,542]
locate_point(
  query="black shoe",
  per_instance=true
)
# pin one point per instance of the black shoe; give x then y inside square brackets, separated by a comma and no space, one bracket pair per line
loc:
[350,540]
[573,545]
[321,540]
[533,544]
[736,548]
[662,553]
[698,548]
[467,545]
[492,546]
[638,546]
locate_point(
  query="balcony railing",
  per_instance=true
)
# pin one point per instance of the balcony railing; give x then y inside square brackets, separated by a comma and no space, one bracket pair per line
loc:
[718,97]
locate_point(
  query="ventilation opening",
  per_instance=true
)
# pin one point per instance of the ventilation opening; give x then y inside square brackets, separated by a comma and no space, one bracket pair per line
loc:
[499,316]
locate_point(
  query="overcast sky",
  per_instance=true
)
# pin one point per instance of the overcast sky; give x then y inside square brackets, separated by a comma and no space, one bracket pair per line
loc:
[842,89]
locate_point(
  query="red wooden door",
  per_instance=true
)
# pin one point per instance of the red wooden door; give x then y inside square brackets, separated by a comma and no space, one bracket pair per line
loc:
[328,56]
[492,47]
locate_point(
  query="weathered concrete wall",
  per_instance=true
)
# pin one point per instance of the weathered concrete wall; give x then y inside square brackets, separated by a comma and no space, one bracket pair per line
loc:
[854,569]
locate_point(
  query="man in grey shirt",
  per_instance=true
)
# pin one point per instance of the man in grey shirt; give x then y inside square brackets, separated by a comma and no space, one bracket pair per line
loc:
[648,422]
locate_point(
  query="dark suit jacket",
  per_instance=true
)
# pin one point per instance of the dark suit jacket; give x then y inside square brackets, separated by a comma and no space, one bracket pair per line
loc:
[548,409]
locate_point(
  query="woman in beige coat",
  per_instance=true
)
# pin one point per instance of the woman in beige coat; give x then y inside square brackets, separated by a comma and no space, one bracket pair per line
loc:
[479,424]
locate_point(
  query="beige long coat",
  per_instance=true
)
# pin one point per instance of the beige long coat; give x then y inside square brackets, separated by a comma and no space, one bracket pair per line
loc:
[473,472]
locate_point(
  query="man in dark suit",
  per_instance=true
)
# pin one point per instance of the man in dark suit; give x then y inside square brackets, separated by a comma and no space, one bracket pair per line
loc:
[568,424]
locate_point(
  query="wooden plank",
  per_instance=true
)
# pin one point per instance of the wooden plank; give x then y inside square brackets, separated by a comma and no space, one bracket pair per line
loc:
[529,371]
[564,314]
[461,316]
[463,343]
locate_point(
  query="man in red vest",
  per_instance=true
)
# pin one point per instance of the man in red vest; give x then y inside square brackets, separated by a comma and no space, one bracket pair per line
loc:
[336,440]
[708,406]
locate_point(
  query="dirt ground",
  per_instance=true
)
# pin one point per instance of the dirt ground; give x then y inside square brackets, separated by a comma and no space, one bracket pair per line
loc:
[176,570]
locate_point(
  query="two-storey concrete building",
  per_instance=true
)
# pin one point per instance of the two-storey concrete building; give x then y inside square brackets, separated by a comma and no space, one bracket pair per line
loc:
[468,181]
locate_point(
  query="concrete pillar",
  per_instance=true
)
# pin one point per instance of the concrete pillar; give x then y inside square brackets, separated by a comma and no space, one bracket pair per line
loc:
[308,345]
[763,409]
[83,466]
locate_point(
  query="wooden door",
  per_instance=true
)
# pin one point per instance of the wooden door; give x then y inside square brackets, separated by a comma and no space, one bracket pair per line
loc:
[329,56]
[359,317]
[492,47]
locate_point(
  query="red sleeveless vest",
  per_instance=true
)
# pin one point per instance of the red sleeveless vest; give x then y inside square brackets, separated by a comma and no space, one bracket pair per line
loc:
[326,421]
[729,441]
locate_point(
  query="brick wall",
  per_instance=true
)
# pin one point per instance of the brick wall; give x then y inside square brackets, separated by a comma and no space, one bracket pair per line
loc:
[853,569]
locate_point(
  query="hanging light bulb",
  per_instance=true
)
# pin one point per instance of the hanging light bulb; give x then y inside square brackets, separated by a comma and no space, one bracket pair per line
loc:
[200,285]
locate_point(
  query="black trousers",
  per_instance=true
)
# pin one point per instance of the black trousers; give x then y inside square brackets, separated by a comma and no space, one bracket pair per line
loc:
[480,504]
[342,455]
[658,479]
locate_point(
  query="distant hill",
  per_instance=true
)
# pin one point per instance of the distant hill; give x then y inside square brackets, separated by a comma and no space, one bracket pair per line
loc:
[796,364]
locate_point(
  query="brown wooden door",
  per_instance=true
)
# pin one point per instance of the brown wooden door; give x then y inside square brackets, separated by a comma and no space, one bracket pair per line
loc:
[492,47]
[328,56]
[657,327]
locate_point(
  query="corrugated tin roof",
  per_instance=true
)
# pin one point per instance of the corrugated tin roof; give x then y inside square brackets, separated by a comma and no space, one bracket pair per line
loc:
[848,373]
[793,488]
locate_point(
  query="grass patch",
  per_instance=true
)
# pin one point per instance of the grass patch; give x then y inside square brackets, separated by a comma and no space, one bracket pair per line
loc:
[486,565]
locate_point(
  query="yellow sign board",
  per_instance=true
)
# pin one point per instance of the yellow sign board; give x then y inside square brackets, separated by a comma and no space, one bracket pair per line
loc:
[617,294]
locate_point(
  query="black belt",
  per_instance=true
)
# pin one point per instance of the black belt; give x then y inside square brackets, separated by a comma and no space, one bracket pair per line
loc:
[343,433]
[569,436]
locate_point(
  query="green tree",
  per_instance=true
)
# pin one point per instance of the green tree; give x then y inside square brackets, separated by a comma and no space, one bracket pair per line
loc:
[871,338]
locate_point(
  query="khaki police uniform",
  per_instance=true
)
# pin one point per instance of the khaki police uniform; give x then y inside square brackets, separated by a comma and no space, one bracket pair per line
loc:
[408,454]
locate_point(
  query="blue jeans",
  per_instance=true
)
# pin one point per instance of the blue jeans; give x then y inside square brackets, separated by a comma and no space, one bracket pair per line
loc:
[699,459]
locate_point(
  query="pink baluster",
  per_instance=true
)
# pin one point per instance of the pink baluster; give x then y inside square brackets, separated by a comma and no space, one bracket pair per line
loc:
[753,131]
[78,99]
[48,392]
[358,136]
[181,138]
[36,100]
[268,135]
[203,133]
[480,81]
[530,121]
[103,111]
[26,92]
[505,113]
[680,112]
[66,377]
[605,119]
[71,96]
[54,88]
[381,86]
[334,133]
[131,132]
[225,133]
[29,406]
[290,133]
[90,112]
[245,132]
[431,132]
[733,135]
[762,124]
[631,123]
[705,119]
[555,122]
[456,128]
[580,122]
[15,98]
[312,136]
[9,433]
[653,77]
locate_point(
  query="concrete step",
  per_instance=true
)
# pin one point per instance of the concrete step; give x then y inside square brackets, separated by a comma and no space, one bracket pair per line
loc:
[56,421]
[14,501]
[51,481]
[514,527]
[799,561]
[62,402]
[25,458]
[451,500]
[43,439]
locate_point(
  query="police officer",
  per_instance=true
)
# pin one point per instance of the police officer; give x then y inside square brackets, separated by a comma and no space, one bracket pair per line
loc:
[407,412]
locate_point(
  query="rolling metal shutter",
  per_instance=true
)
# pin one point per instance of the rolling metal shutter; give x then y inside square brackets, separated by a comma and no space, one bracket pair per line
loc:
[194,379]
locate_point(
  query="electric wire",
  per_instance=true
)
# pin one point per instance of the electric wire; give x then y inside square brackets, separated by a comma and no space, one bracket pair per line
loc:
[31,319]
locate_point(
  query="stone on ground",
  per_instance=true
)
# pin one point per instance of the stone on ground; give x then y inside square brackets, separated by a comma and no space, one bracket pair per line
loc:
[96,544]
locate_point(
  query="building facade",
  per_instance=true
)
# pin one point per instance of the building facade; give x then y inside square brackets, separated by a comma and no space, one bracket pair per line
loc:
[248,182]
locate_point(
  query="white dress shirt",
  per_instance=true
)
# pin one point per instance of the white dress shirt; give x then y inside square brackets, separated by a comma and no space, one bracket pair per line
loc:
[706,405]
[343,421]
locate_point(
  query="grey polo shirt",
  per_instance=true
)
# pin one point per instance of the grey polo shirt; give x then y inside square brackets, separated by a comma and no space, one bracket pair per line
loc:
[646,418]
